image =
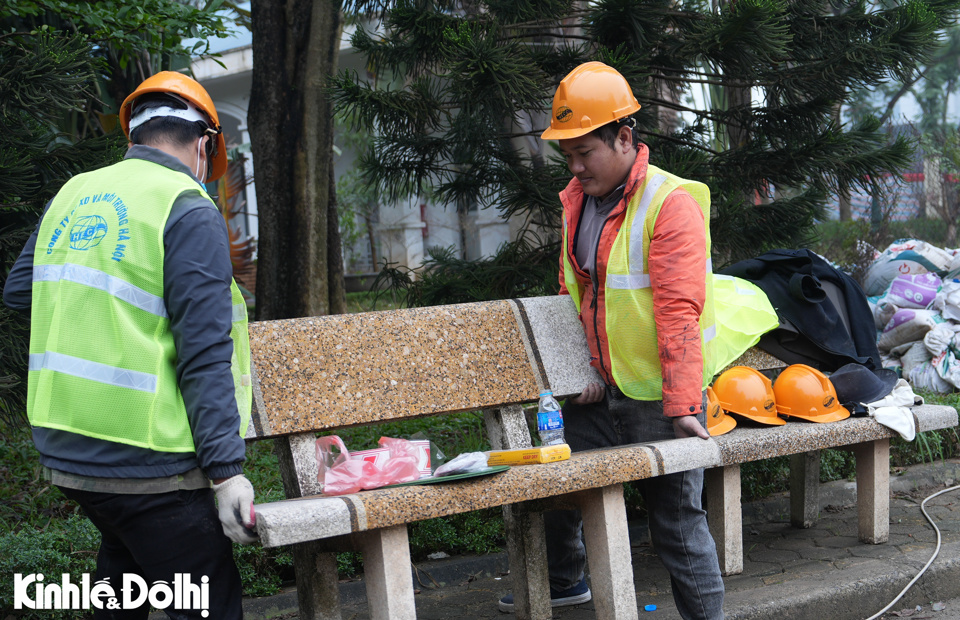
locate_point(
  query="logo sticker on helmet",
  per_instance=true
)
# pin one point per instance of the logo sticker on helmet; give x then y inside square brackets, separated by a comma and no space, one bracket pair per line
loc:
[828,401]
[564,113]
[769,405]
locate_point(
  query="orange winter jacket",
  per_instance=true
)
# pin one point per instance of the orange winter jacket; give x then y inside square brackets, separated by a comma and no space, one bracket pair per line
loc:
[677,267]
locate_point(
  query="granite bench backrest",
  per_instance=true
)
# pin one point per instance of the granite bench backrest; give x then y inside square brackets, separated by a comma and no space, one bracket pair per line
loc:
[323,373]
[331,372]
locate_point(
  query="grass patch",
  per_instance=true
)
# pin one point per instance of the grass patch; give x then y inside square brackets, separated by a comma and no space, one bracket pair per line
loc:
[25,499]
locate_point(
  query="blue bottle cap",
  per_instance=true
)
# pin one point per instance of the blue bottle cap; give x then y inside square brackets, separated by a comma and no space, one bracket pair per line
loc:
[649,608]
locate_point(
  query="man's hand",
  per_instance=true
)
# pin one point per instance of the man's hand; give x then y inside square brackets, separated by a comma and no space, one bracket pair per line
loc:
[593,393]
[235,505]
[688,426]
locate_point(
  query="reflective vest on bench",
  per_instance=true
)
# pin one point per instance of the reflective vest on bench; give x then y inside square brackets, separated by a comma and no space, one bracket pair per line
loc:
[633,352]
[102,356]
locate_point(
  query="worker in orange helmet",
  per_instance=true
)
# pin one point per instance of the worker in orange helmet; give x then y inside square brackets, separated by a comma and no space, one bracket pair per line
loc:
[139,388]
[635,259]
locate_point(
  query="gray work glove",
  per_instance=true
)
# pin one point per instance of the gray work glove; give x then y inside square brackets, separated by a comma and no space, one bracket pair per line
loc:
[235,502]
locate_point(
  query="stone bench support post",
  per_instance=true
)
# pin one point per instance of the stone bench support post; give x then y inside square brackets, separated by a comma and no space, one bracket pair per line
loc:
[527,551]
[607,540]
[873,490]
[386,571]
[723,516]
[804,489]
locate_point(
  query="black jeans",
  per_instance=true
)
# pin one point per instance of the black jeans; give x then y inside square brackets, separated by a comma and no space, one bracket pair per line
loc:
[157,536]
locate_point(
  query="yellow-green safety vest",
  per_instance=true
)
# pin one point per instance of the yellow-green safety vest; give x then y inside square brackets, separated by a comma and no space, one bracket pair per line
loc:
[634,355]
[102,356]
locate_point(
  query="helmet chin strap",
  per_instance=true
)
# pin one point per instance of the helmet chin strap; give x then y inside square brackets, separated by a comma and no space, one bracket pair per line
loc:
[197,171]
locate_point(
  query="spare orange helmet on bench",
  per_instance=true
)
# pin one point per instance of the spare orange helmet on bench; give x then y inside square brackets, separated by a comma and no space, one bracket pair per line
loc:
[718,422]
[806,393]
[746,392]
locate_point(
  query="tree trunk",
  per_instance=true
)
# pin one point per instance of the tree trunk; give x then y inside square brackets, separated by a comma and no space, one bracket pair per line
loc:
[300,267]
[845,204]
[846,207]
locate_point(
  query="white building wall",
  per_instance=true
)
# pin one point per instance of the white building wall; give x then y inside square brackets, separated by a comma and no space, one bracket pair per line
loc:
[443,228]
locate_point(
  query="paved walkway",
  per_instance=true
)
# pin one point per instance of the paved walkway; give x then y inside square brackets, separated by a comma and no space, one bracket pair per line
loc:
[823,572]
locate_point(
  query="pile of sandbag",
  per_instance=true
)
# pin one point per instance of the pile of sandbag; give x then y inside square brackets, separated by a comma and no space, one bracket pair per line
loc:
[914,293]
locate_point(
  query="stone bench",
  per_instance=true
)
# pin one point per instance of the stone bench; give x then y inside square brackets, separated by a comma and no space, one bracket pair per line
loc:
[327,373]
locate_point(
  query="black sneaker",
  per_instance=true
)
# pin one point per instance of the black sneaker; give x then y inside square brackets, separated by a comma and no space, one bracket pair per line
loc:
[576,595]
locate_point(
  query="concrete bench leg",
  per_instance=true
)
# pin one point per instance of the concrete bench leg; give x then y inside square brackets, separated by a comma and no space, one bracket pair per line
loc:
[386,571]
[873,490]
[315,567]
[724,516]
[507,428]
[527,550]
[804,489]
[318,589]
[607,541]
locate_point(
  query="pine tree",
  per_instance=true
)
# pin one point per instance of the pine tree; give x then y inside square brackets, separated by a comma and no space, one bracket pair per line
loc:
[463,90]
[42,78]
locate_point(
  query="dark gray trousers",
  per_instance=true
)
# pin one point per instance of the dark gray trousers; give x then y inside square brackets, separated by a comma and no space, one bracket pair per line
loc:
[678,523]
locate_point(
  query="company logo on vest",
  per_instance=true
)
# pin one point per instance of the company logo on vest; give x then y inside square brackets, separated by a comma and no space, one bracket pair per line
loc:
[134,592]
[88,232]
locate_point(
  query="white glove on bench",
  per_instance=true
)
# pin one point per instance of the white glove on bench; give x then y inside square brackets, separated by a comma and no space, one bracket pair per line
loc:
[235,505]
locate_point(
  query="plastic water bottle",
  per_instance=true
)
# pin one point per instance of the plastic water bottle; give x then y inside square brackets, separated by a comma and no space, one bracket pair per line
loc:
[549,420]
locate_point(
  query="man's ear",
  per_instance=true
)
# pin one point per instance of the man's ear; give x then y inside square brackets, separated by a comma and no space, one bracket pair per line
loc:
[625,137]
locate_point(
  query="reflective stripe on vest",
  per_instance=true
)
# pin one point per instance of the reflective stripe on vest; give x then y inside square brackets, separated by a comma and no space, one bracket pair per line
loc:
[85,369]
[109,371]
[109,284]
[110,375]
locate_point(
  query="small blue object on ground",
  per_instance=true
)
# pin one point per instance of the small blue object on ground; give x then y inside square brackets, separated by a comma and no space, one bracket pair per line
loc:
[649,608]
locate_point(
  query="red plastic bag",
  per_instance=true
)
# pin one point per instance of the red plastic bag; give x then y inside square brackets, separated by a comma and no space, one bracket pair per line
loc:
[339,473]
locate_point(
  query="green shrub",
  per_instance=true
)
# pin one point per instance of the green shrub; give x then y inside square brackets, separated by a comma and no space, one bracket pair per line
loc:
[452,434]
[26,501]
[263,571]
[349,564]
[476,532]
[759,479]
[67,546]
[837,465]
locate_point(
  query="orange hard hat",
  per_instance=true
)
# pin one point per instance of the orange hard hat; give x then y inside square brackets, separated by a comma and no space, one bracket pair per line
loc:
[806,393]
[746,392]
[718,422]
[191,90]
[591,95]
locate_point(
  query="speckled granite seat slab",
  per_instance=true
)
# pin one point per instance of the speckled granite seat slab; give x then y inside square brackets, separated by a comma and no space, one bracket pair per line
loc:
[314,517]
[326,373]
